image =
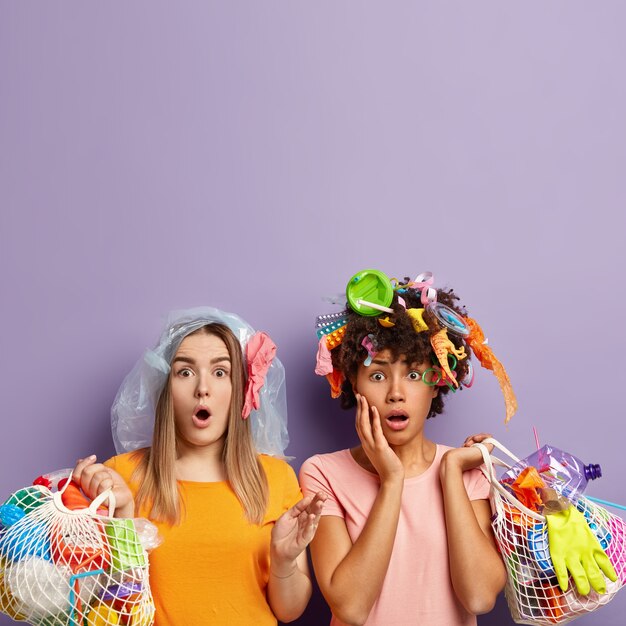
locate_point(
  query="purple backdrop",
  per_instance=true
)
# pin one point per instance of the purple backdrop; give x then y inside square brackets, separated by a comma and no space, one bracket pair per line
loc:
[253,156]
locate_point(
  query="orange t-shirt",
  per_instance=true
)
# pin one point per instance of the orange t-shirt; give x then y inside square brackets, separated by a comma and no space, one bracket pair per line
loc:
[213,568]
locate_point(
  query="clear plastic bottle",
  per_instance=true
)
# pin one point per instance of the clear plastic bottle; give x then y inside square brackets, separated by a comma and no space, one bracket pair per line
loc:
[559,470]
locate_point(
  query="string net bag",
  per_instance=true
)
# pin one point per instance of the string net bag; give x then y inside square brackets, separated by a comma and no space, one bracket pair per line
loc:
[66,561]
[532,590]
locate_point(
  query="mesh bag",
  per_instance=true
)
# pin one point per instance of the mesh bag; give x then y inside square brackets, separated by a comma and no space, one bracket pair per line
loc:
[532,591]
[64,561]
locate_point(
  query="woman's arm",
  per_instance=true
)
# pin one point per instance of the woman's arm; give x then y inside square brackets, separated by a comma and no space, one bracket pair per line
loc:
[351,575]
[476,569]
[289,586]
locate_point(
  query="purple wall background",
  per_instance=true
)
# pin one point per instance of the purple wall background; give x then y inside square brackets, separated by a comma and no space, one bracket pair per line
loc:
[156,156]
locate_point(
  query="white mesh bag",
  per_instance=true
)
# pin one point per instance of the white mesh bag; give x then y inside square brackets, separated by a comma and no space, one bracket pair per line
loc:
[64,561]
[532,591]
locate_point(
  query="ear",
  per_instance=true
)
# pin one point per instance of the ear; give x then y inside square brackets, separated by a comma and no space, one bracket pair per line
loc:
[435,391]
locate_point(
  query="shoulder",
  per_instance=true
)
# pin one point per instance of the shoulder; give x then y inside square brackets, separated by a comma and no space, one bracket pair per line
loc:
[125,464]
[274,466]
[282,482]
[339,459]
[329,468]
[277,471]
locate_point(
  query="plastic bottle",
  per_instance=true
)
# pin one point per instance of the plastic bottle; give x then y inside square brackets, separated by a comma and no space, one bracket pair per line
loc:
[559,470]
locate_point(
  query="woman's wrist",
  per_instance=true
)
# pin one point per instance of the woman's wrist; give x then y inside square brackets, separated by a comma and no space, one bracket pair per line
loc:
[127,511]
[392,481]
[449,463]
[280,568]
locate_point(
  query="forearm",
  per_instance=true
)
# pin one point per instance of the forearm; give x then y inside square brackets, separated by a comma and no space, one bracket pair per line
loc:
[288,589]
[476,570]
[356,582]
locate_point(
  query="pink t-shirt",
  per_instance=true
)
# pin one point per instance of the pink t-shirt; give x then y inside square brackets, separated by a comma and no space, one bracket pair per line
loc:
[417,587]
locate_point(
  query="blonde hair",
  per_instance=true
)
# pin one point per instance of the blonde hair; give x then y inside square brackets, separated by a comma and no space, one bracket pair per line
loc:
[156,470]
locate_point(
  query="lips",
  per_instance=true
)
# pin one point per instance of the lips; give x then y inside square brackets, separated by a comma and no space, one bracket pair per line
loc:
[397,420]
[201,417]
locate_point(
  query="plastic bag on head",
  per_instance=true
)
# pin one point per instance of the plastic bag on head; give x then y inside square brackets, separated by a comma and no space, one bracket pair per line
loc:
[133,410]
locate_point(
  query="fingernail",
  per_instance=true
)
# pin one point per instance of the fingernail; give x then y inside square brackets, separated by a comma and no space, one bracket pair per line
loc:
[92,456]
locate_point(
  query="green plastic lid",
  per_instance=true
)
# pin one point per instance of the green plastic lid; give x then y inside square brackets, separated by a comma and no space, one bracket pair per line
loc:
[372,286]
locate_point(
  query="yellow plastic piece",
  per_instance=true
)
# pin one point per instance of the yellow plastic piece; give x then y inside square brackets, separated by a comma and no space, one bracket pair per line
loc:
[336,337]
[386,322]
[103,615]
[8,604]
[417,319]
[140,616]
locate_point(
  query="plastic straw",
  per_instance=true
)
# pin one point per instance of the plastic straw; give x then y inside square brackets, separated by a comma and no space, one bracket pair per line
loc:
[536,438]
[607,503]
[373,305]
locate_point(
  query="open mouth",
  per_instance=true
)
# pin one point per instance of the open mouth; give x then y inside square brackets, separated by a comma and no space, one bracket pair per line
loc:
[397,421]
[202,415]
[400,417]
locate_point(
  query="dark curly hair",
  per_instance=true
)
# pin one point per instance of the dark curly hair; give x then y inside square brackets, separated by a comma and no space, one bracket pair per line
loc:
[400,339]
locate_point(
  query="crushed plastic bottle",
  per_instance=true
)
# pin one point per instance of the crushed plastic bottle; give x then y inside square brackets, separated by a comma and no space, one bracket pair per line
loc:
[560,470]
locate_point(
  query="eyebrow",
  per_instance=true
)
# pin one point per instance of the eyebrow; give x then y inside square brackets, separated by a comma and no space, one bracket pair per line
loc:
[380,362]
[404,362]
[185,359]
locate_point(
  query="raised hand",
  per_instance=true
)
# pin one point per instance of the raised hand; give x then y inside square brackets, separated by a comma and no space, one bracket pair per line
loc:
[94,478]
[292,533]
[374,444]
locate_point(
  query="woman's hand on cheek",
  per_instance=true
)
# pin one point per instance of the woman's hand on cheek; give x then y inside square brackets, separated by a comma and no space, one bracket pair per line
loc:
[374,444]
[95,478]
[293,531]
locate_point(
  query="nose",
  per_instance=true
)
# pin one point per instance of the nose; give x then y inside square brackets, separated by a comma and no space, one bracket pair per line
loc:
[202,387]
[396,392]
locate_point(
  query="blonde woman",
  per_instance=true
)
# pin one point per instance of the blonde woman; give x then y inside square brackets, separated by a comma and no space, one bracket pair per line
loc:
[232,517]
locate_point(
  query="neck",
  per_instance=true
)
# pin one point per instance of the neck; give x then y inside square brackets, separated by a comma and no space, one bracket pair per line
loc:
[200,463]
[416,456]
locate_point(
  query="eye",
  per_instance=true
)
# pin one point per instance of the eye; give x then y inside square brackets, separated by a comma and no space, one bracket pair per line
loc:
[414,375]
[221,373]
[377,376]
[185,372]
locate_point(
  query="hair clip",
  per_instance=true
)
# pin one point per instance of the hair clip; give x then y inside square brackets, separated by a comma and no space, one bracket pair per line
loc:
[368,344]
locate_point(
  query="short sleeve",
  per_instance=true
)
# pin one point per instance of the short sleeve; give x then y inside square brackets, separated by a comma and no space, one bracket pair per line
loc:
[291,491]
[125,465]
[476,485]
[313,479]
